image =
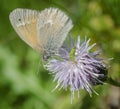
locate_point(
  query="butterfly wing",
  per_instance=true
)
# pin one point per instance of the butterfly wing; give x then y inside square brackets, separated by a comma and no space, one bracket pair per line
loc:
[53,27]
[24,21]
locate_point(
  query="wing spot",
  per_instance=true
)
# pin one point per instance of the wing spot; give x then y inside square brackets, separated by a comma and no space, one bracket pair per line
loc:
[19,19]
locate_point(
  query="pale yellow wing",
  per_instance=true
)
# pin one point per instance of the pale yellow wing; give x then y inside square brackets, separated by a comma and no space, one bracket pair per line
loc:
[24,21]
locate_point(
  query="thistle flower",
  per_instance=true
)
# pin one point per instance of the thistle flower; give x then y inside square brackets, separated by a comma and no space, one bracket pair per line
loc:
[77,68]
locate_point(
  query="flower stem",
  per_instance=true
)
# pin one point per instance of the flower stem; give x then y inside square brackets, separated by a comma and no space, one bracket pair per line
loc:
[113,82]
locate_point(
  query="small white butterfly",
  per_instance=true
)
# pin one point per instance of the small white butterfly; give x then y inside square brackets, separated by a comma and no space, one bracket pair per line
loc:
[44,31]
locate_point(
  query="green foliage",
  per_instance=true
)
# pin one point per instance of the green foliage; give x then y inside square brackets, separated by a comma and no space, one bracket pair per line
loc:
[25,84]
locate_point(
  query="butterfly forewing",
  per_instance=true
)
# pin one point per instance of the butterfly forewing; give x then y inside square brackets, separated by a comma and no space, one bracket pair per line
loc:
[53,26]
[24,22]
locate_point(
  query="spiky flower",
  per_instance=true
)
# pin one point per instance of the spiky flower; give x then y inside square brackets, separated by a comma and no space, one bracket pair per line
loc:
[77,69]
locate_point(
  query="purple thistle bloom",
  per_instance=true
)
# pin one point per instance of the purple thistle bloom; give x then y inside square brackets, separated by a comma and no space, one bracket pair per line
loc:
[77,69]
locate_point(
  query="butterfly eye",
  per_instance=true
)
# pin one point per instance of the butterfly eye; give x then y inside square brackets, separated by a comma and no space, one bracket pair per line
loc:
[48,54]
[46,57]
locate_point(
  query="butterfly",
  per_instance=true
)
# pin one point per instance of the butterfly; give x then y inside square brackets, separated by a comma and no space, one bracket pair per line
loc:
[45,31]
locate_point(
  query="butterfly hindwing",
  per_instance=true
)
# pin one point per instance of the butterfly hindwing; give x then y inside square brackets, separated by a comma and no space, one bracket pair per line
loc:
[54,25]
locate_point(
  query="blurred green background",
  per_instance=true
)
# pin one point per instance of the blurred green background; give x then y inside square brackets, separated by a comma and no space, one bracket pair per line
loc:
[24,84]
